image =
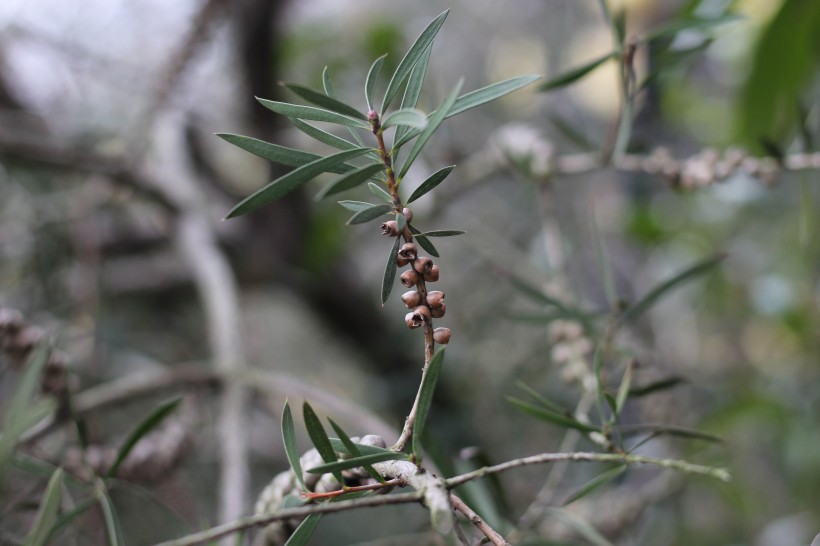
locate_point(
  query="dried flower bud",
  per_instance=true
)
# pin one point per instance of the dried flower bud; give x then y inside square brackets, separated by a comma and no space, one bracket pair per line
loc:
[417,316]
[439,311]
[423,264]
[432,275]
[411,299]
[408,251]
[390,228]
[408,214]
[409,278]
[441,336]
[435,299]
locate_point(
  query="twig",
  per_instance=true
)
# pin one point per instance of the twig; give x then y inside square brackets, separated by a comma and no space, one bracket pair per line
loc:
[492,535]
[355,489]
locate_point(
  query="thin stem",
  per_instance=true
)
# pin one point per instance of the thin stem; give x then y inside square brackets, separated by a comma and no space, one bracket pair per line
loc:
[492,535]
[429,349]
[354,489]
[388,162]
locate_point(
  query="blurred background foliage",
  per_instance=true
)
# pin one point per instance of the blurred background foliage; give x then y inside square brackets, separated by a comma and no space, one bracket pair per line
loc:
[100,96]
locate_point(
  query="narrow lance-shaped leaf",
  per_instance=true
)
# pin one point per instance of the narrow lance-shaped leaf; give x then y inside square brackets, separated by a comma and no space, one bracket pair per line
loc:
[623,389]
[326,102]
[594,484]
[112,522]
[355,462]
[662,289]
[490,93]
[443,233]
[291,449]
[695,23]
[372,79]
[551,416]
[319,438]
[147,425]
[273,152]
[390,271]
[369,214]
[66,518]
[47,512]
[327,85]
[655,386]
[301,536]
[428,387]
[341,447]
[424,243]
[432,181]
[322,136]
[406,117]
[379,192]
[411,93]
[349,180]
[577,73]
[312,113]
[433,123]
[289,182]
[410,59]
[353,450]
[541,399]
[356,206]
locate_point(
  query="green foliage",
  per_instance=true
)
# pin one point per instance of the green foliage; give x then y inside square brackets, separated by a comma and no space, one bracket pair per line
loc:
[147,425]
[428,387]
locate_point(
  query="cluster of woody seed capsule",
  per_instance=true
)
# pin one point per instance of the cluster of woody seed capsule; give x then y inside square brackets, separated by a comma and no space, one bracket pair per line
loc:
[424,306]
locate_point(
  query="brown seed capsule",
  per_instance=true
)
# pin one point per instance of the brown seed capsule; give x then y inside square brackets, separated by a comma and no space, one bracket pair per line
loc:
[411,299]
[435,299]
[417,316]
[408,251]
[423,264]
[432,275]
[390,228]
[441,336]
[400,261]
[408,214]
[439,311]
[409,278]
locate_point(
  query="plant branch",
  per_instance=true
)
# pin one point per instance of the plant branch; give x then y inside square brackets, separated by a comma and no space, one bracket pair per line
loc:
[492,535]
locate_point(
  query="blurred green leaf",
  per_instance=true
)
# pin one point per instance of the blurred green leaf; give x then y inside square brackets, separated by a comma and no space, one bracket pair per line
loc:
[489,93]
[425,243]
[541,399]
[390,271]
[539,297]
[407,117]
[339,445]
[147,425]
[369,214]
[356,206]
[322,136]
[326,102]
[550,416]
[372,79]
[410,59]
[355,462]
[655,386]
[47,511]
[432,181]
[379,192]
[112,522]
[623,389]
[665,287]
[443,233]
[428,387]
[66,518]
[353,450]
[689,23]
[349,180]
[577,73]
[291,449]
[274,152]
[312,113]
[327,83]
[301,536]
[580,525]
[669,430]
[594,484]
[319,438]
[434,121]
[289,182]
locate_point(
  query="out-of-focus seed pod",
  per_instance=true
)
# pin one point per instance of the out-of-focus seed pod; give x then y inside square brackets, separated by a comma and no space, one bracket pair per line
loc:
[441,336]
[411,299]
[11,320]
[435,299]
[409,278]
[423,264]
[408,251]
[432,275]
[390,228]
[439,311]
[408,214]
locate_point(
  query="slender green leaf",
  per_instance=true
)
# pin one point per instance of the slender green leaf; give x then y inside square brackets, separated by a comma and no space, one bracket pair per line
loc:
[312,113]
[16,419]
[319,438]
[349,180]
[324,101]
[489,93]
[406,117]
[577,73]
[433,123]
[289,182]
[353,450]
[379,192]
[356,206]
[355,462]
[390,271]
[112,523]
[339,445]
[623,389]
[443,233]
[410,59]
[411,93]
[541,399]
[425,243]
[428,387]
[65,519]
[655,386]
[670,430]
[327,83]
[322,136]
[147,425]
[370,214]
[432,181]
[594,484]
[692,23]
[269,151]
[704,266]
[291,449]
[550,416]
[372,79]
[47,512]
[579,525]
[301,536]
[537,295]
